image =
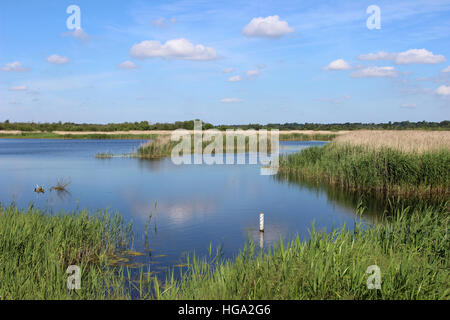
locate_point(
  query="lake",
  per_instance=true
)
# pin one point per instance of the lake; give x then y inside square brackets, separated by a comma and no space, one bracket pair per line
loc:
[191,206]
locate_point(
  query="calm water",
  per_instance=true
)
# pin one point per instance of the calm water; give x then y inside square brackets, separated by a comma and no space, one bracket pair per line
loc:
[197,205]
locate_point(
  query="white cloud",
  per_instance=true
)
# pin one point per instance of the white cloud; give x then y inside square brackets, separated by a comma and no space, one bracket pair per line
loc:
[443,90]
[18,88]
[418,56]
[161,22]
[446,69]
[339,64]
[127,65]
[56,59]
[234,79]
[252,73]
[375,72]
[230,100]
[15,66]
[172,49]
[406,57]
[79,34]
[228,70]
[270,26]
[408,105]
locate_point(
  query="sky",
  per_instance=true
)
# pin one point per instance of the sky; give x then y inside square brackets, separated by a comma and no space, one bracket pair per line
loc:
[225,62]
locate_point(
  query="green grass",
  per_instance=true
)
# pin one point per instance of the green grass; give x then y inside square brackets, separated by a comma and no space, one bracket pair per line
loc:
[36,249]
[411,247]
[411,250]
[363,168]
[50,135]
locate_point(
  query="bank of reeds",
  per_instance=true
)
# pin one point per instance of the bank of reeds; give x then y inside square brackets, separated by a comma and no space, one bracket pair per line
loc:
[36,248]
[380,169]
[162,146]
[411,250]
[414,141]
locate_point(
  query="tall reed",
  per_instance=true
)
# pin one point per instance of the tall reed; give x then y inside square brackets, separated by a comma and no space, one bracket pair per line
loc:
[411,249]
[377,169]
[36,248]
[162,146]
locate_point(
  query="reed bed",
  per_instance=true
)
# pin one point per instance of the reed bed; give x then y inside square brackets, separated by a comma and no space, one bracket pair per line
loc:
[411,249]
[413,141]
[162,146]
[36,249]
[382,169]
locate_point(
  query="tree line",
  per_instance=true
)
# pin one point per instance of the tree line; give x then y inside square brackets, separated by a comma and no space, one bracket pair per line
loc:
[189,125]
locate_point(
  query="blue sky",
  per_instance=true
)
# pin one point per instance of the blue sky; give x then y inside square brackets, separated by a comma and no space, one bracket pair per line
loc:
[225,61]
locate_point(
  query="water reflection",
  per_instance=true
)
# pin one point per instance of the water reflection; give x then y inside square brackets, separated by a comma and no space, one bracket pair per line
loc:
[376,205]
[196,205]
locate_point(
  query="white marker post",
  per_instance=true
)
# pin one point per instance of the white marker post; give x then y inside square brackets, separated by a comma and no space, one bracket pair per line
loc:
[261,240]
[261,222]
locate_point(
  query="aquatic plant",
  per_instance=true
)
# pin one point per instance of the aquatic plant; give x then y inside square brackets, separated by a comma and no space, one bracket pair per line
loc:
[411,249]
[162,146]
[104,155]
[381,169]
[36,248]
[61,185]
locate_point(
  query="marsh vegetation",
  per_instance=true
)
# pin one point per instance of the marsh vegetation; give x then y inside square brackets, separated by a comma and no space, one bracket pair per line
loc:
[392,163]
[410,246]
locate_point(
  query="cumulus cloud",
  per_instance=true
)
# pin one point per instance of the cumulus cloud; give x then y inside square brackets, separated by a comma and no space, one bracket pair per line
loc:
[375,72]
[234,79]
[339,64]
[230,100]
[443,90]
[15,66]
[172,49]
[79,34]
[127,65]
[18,88]
[406,57]
[270,26]
[252,73]
[228,70]
[56,59]
[446,69]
